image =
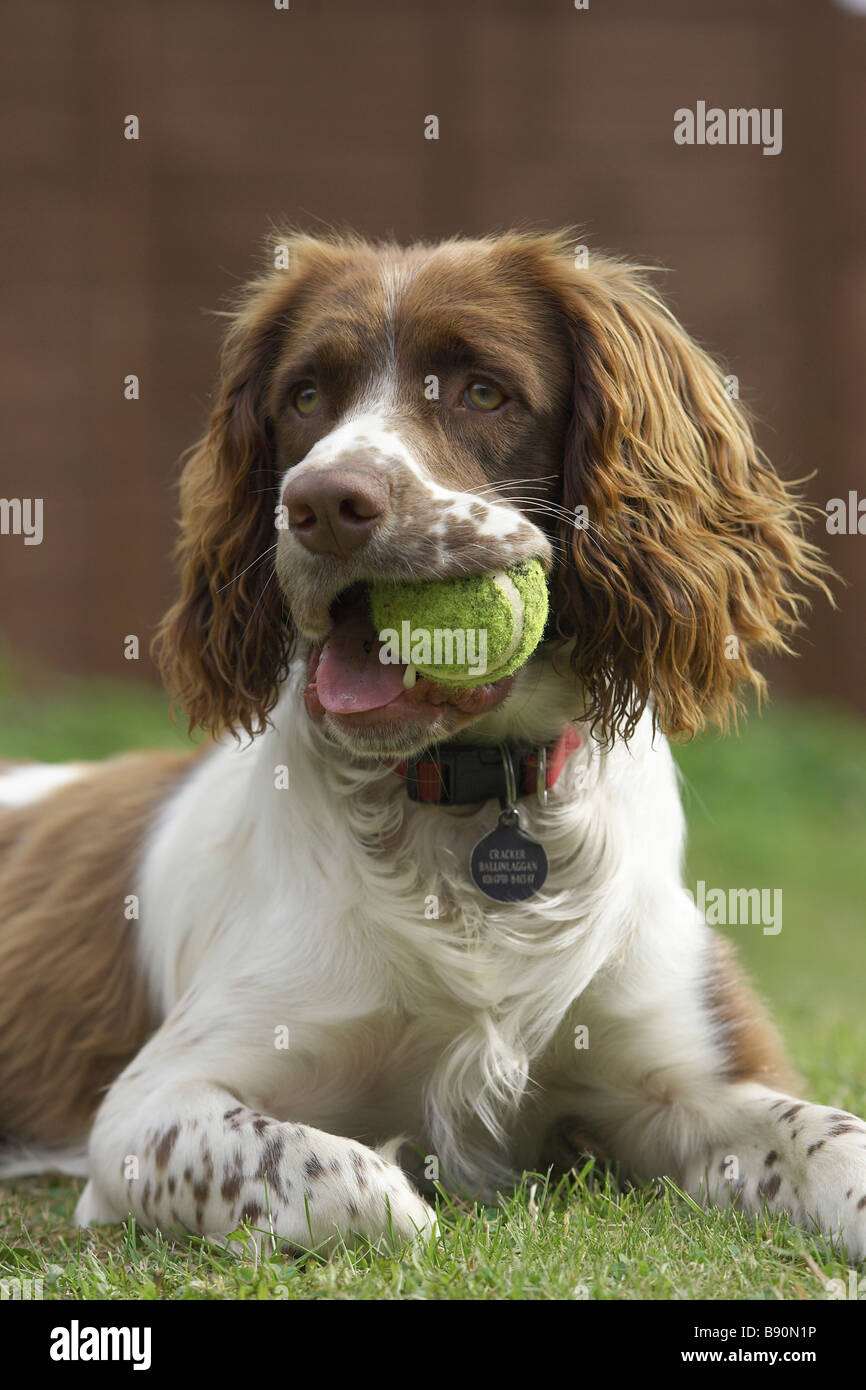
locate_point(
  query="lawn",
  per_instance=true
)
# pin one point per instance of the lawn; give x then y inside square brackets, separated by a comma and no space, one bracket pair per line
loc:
[782,806]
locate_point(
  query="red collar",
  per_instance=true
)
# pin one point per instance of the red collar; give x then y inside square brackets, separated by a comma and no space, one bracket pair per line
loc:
[459,774]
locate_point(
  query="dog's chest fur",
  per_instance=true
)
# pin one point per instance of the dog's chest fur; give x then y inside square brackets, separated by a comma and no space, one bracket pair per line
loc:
[382,991]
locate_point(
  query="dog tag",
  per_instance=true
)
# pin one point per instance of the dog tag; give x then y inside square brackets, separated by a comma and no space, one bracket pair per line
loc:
[508,865]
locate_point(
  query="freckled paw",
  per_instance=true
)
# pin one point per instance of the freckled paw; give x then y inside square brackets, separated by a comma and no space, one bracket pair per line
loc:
[408,1214]
[833,1181]
[338,1190]
[810,1163]
[374,1199]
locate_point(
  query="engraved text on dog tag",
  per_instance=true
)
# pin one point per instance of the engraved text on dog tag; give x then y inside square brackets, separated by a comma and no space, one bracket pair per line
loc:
[508,865]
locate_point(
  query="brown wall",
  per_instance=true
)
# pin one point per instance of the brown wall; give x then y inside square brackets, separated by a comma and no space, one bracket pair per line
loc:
[113,251]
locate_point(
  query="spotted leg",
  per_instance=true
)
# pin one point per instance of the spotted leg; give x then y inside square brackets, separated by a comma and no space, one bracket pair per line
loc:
[688,1081]
[793,1156]
[189,1155]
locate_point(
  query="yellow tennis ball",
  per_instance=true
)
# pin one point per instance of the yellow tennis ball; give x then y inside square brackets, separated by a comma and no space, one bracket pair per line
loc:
[468,631]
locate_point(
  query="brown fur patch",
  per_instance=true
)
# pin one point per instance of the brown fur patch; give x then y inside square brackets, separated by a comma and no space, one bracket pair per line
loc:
[73,1011]
[769,1187]
[753,1046]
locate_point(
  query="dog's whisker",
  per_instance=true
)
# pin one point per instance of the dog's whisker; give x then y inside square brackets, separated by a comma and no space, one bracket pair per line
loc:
[259,600]
[270,550]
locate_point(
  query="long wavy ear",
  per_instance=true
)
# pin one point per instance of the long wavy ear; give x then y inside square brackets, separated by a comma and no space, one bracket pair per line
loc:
[688,553]
[224,645]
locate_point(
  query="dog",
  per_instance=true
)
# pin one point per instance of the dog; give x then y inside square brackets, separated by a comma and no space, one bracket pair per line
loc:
[262,985]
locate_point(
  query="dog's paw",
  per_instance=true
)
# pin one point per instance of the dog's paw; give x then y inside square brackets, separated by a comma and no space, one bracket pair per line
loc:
[796,1157]
[824,1171]
[282,1183]
[336,1189]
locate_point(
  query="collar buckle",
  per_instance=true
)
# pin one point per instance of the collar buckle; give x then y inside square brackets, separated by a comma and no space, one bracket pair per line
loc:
[462,774]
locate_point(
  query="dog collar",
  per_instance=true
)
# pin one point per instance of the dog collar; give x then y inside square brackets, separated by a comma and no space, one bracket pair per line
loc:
[458,774]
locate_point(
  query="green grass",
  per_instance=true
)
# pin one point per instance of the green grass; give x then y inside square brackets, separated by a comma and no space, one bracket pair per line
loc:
[54,719]
[783,805]
[586,1239]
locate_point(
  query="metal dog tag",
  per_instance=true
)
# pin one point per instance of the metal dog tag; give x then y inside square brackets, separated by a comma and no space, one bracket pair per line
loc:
[507,864]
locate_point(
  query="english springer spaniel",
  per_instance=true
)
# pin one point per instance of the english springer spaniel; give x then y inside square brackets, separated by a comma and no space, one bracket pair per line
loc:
[260,984]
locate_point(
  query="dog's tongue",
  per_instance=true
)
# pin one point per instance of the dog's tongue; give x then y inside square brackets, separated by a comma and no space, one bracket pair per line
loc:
[350,677]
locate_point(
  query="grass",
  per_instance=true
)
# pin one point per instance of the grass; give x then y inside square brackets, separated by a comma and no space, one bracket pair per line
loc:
[587,1239]
[783,805]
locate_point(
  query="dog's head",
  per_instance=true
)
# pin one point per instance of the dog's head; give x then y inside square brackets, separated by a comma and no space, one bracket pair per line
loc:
[448,410]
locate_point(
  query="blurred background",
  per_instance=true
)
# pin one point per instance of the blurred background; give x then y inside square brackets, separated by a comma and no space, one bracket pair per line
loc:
[115,252]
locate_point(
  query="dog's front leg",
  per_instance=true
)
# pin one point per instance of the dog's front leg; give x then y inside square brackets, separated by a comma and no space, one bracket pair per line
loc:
[189,1155]
[683,1082]
[740,1144]
[791,1155]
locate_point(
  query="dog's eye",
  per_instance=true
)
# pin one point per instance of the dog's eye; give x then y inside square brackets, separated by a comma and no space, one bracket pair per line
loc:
[480,395]
[306,400]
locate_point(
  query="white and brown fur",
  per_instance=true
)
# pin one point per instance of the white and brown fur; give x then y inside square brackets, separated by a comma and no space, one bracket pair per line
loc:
[144,1052]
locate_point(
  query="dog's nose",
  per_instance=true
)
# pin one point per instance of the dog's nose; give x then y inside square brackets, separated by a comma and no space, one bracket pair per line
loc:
[335,510]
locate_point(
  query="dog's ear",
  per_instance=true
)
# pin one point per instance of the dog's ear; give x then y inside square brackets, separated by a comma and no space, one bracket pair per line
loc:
[687,554]
[224,645]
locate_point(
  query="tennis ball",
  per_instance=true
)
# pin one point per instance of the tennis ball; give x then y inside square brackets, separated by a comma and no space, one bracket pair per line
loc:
[462,632]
